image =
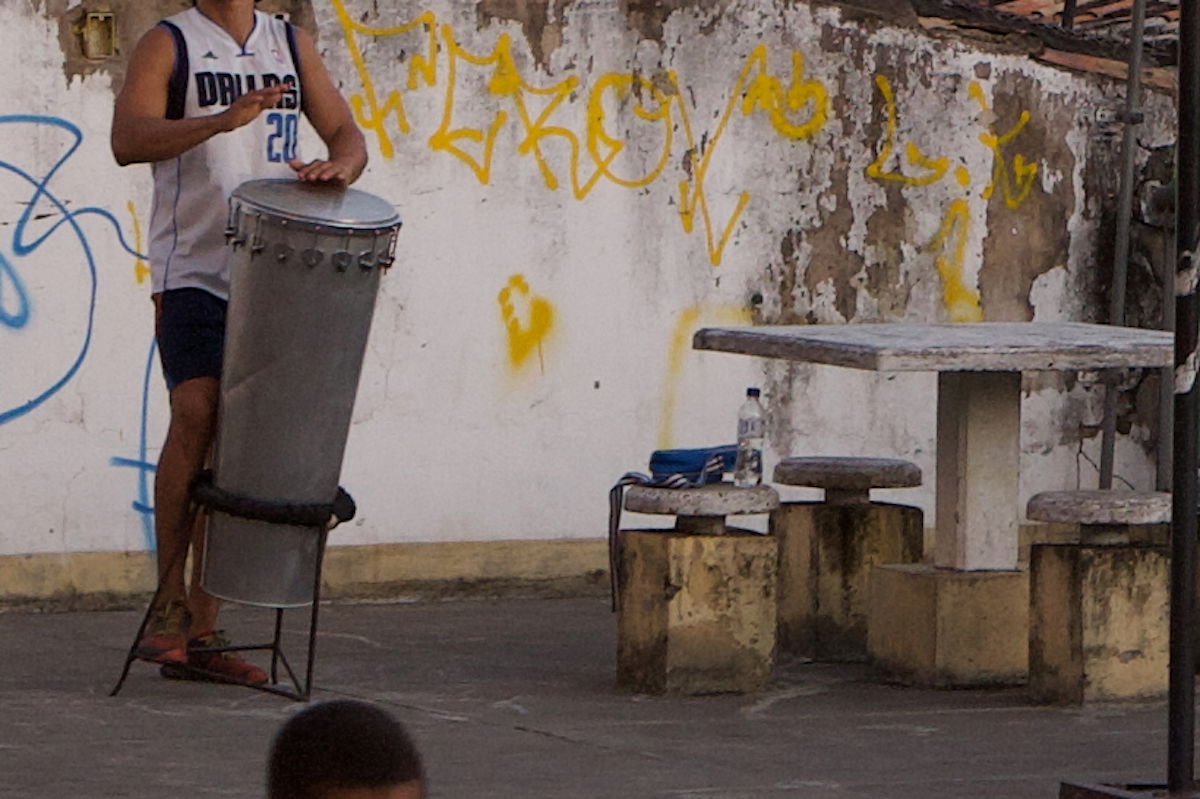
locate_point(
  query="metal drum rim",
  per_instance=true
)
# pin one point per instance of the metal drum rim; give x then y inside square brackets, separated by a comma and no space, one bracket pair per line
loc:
[264,206]
[318,225]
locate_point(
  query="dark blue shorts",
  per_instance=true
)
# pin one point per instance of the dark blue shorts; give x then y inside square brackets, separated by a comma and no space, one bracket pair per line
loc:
[191,334]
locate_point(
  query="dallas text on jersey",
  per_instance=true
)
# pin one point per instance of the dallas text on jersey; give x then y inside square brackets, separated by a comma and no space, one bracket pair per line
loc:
[222,88]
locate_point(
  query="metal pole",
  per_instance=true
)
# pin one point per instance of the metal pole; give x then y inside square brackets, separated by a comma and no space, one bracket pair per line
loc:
[316,608]
[1166,390]
[1131,118]
[1181,730]
[1068,17]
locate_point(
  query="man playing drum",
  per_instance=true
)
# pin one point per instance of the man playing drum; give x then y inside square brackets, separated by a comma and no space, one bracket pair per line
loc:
[212,98]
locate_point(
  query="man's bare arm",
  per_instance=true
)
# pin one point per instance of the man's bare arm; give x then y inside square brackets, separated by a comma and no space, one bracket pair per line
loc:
[141,131]
[326,109]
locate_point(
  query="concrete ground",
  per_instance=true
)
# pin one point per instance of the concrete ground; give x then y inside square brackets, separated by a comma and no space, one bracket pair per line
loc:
[516,699]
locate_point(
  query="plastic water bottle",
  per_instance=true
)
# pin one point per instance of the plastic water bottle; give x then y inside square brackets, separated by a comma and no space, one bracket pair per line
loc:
[751,429]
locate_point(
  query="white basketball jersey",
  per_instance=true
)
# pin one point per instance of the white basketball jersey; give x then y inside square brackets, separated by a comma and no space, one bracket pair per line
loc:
[191,192]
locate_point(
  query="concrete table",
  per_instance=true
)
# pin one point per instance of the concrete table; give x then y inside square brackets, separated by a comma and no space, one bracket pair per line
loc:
[979,369]
[964,619]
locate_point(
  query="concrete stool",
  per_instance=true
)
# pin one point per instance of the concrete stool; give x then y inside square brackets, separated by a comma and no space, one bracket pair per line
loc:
[1099,608]
[697,603]
[1106,516]
[828,549]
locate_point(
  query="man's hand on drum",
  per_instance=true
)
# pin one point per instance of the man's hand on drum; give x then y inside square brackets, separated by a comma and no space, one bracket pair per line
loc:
[322,171]
[246,108]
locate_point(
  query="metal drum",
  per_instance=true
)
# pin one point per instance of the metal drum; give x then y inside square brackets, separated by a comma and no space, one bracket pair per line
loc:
[304,275]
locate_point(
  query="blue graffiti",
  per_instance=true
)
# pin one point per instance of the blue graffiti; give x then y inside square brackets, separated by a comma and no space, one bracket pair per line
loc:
[143,466]
[16,306]
[15,311]
[20,316]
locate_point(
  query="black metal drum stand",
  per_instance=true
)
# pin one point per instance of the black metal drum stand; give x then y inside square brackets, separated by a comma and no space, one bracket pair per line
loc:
[321,518]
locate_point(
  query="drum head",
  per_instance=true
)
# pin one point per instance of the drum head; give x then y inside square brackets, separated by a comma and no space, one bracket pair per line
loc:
[318,203]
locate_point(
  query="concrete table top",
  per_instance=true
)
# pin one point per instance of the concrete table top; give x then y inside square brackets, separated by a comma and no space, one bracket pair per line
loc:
[980,346]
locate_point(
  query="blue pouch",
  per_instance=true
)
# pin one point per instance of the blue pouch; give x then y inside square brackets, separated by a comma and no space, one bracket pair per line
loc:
[669,468]
[698,466]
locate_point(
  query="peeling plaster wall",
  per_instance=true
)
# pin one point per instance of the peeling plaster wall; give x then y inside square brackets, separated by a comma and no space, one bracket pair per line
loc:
[583,185]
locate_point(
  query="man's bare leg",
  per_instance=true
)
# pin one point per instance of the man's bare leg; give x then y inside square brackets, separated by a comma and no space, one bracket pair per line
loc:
[189,439]
[178,524]
[203,605]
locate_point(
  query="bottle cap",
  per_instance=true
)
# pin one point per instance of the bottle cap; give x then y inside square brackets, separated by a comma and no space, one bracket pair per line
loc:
[752,391]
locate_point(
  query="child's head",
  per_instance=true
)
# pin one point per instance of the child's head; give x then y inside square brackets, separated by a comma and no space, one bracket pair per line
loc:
[344,749]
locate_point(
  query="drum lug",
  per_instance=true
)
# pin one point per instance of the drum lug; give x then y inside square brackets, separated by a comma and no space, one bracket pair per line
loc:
[282,252]
[388,258]
[232,238]
[231,222]
[257,244]
[312,256]
[366,260]
[341,260]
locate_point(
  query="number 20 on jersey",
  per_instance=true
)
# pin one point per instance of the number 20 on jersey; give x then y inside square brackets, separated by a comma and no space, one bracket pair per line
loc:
[282,133]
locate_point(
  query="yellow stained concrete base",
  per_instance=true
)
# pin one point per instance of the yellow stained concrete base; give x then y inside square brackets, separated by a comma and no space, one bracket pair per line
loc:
[943,627]
[108,579]
[826,553]
[696,613]
[1099,622]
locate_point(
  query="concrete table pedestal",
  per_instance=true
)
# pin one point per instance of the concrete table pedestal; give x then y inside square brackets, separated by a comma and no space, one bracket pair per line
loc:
[696,609]
[947,627]
[975,574]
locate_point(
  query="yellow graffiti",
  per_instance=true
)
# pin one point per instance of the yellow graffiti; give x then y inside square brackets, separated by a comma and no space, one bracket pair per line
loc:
[935,167]
[527,319]
[420,67]
[764,93]
[962,302]
[686,325]
[445,137]
[140,270]
[693,197]
[1017,182]
[536,129]
[597,135]
[795,111]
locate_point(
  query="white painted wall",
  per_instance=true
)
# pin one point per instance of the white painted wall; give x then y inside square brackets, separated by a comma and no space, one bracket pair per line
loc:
[459,432]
